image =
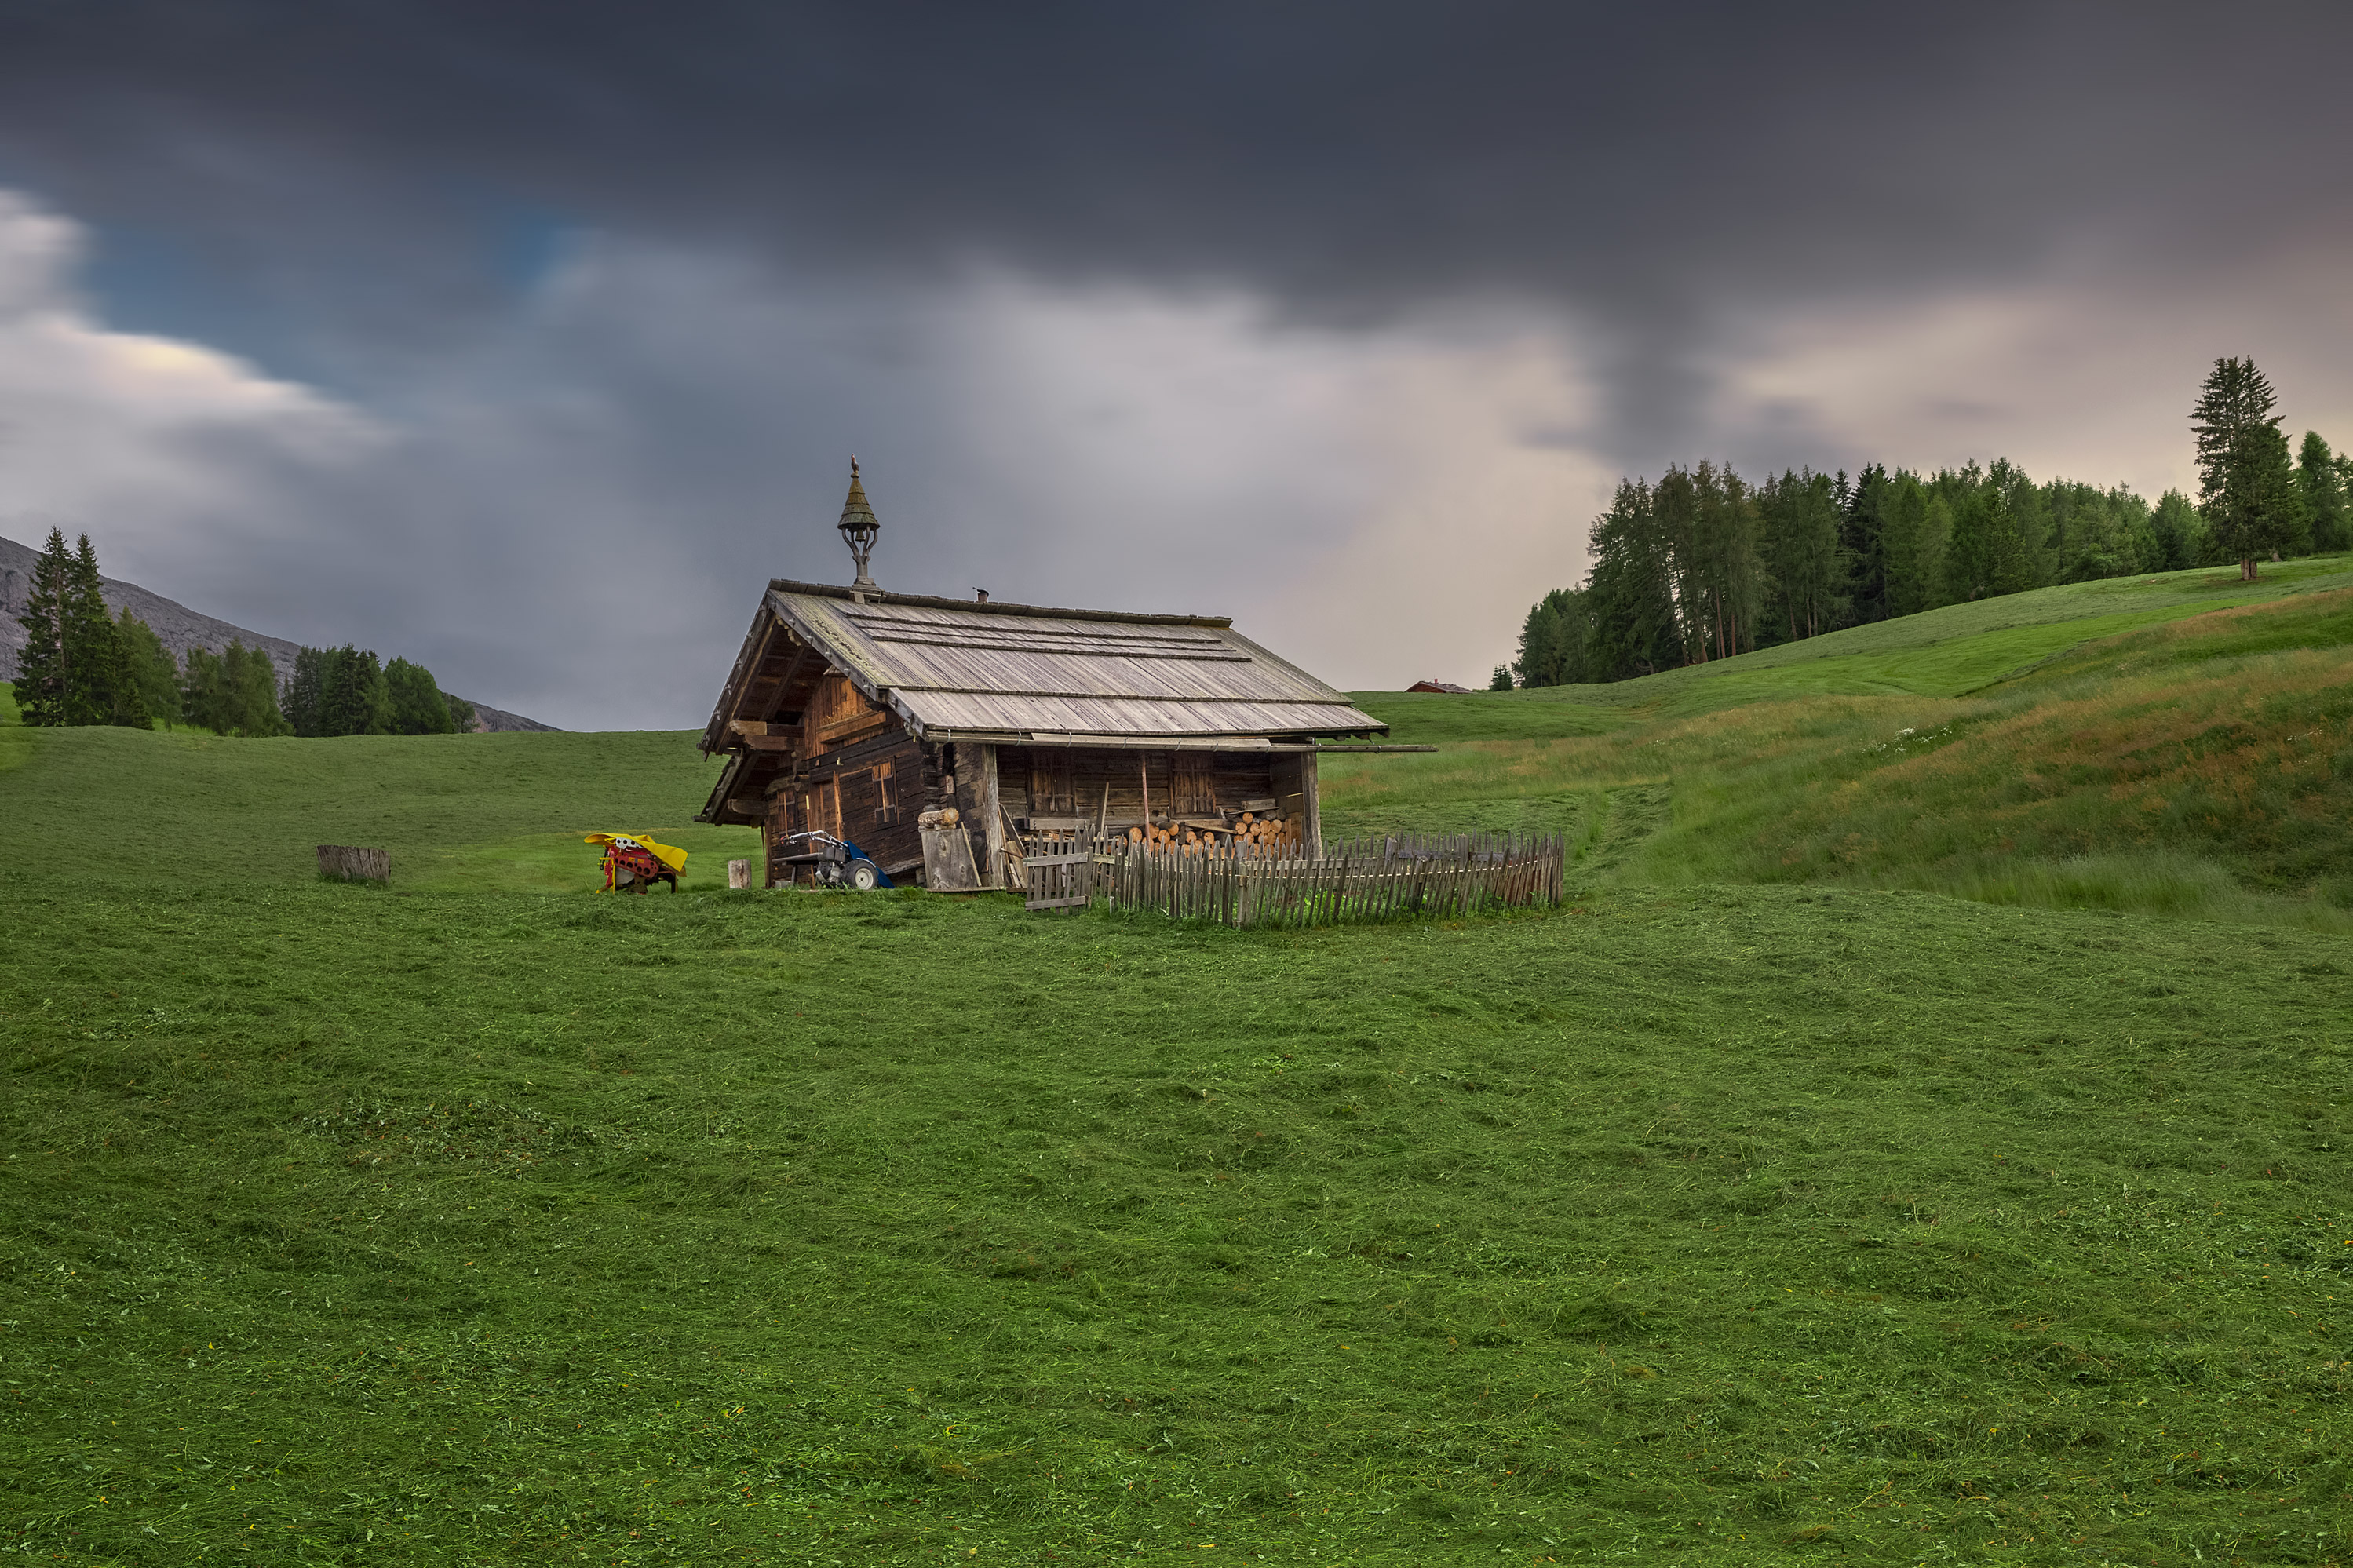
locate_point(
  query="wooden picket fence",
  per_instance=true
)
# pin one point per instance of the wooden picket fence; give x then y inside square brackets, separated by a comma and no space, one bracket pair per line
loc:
[1387,876]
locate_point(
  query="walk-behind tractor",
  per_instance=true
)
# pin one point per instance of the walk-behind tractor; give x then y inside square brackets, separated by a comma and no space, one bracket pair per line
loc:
[833,862]
[634,863]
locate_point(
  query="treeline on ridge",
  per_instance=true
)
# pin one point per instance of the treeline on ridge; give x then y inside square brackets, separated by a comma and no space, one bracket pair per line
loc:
[1702,564]
[81,667]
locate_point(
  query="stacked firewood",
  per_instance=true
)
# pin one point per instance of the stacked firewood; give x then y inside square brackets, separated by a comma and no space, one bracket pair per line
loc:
[1249,837]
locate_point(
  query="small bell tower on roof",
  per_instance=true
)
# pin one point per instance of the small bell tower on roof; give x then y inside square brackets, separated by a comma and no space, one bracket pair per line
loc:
[859,527]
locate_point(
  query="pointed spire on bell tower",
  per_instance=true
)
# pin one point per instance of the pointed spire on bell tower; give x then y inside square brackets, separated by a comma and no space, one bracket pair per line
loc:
[859,526]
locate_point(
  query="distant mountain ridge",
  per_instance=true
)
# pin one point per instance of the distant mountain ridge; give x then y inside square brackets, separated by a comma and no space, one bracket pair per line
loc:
[181,628]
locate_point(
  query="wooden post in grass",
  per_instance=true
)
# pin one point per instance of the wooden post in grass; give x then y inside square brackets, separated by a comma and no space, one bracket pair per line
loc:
[345,863]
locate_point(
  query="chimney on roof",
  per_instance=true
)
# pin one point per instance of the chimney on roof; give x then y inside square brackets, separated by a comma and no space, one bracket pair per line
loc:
[859,527]
[984,594]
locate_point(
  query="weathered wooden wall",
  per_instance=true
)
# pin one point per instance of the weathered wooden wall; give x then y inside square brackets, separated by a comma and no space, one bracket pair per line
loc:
[855,773]
[870,792]
[1114,783]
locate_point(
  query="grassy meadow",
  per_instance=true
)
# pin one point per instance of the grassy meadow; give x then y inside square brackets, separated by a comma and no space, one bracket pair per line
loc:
[1768,1203]
[2188,753]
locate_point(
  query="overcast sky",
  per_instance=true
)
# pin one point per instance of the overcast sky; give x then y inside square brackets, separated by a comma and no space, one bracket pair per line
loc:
[528,339]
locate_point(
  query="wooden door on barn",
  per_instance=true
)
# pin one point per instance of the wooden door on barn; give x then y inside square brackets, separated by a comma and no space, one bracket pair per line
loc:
[1050,782]
[818,808]
[1192,788]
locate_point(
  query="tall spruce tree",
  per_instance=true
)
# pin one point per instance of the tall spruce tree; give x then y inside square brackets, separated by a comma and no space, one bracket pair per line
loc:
[1705,520]
[2030,519]
[1802,551]
[1735,565]
[41,667]
[1989,552]
[1863,539]
[2320,483]
[1911,575]
[72,670]
[1631,627]
[1552,641]
[2011,565]
[1674,527]
[96,672]
[2234,397]
[351,697]
[2245,483]
[1934,548]
[305,691]
[2257,510]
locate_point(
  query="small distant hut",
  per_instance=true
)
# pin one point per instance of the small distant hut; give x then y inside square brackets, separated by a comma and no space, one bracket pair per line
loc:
[864,714]
[1438,686]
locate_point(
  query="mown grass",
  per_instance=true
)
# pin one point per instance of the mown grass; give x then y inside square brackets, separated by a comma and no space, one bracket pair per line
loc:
[1728,1226]
[2203,766]
[1946,652]
[1695,1223]
[2317,620]
[458,812]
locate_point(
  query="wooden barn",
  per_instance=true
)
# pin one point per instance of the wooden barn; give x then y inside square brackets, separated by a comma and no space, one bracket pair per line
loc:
[865,714]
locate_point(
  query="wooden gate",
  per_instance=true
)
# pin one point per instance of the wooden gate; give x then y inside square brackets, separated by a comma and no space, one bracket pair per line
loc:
[1061,876]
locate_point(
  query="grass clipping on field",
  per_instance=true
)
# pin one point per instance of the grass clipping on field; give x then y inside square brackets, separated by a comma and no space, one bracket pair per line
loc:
[1723,1227]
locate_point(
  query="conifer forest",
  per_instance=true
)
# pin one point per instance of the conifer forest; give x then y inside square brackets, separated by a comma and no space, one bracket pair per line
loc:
[1702,563]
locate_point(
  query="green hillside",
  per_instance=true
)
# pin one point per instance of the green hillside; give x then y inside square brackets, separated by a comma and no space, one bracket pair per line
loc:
[2177,744]
[457,811]
[1764,1205]
[1946,652]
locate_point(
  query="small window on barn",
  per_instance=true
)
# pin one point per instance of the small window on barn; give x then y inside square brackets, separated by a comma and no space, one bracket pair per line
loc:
[1049,783]
[886,795]
[1191,792]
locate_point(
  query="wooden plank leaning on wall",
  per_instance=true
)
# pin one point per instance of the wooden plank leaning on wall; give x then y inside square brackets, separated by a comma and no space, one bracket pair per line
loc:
[992,816]
[1314,825]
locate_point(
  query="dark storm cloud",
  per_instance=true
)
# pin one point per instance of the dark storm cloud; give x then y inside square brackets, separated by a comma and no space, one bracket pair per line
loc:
[559,319]
[331,184]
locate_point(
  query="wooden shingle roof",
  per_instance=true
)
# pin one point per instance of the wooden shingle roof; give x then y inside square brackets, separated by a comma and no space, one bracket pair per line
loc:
[957,669]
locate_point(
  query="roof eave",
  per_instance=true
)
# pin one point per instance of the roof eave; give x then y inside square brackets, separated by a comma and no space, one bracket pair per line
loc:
[748,660]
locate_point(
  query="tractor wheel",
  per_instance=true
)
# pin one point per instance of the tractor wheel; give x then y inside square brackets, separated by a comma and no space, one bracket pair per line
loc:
[860,876]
